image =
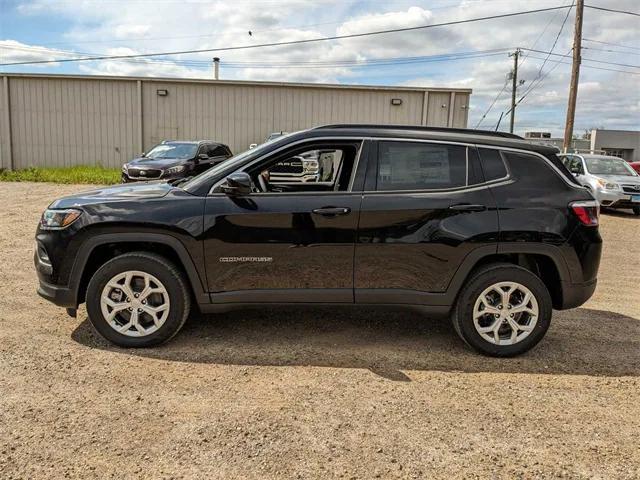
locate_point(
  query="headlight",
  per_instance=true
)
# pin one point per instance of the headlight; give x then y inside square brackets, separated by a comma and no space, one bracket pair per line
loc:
[59,219]
[172,170]
[310,166]
[607,185]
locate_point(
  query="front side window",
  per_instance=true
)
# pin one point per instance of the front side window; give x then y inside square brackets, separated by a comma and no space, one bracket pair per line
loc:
[421,166]
[324,167]
[180,150]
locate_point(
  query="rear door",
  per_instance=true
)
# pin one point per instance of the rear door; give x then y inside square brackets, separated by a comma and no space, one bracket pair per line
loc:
[424,210]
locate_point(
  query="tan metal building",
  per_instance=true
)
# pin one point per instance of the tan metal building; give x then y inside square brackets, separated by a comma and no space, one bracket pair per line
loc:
[64,120]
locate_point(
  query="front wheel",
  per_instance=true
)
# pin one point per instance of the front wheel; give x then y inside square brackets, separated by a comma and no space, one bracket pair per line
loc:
[636,210]
[138,300]
[503,310]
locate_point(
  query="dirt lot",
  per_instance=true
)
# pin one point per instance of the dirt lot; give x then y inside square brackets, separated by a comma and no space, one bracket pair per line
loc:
[315,394]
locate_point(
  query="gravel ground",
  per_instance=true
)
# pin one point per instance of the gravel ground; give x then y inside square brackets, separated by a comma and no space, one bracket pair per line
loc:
[316,393]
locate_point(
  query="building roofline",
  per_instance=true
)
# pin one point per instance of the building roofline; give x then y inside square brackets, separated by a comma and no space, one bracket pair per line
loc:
[238,82]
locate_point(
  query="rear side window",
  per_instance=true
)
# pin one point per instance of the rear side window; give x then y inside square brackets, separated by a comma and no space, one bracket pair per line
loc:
[492,164]
[421,166]
[532,172]
[218,150]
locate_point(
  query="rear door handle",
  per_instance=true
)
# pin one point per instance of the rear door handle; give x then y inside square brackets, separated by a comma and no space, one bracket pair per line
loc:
[465,207]
[331,211]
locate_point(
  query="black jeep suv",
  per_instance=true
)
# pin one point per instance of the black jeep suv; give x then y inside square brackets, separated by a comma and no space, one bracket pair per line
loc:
[481,226]
[173,159]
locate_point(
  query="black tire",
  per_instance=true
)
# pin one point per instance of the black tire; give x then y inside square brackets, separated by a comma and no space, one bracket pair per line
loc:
[636,210]
[162,269]
[462,315]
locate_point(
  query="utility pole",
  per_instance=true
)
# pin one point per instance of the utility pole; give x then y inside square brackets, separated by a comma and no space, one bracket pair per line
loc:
[514,86]
[575,75]
[216,68]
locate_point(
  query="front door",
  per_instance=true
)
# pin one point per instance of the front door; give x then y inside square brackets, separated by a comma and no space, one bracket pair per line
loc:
[286,243]
[424,210]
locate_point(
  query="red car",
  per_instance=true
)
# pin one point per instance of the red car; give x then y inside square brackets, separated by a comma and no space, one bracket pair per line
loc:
[635,166]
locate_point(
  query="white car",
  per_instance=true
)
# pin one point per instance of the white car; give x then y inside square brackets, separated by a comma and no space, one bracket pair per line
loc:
[611,180]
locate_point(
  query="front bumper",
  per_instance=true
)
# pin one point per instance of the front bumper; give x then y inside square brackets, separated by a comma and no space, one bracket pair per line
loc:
[616,199]
[59,295]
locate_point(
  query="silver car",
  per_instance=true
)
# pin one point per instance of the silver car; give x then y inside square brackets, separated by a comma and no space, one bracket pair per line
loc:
[611,180]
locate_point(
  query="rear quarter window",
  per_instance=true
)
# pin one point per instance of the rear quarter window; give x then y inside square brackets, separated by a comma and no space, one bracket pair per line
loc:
[562,165]
[492,164]
[533,171]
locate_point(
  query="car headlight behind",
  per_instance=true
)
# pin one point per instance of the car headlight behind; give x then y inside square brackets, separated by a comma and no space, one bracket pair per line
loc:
[125,168]
[607,185]
[172,170]
[59,219]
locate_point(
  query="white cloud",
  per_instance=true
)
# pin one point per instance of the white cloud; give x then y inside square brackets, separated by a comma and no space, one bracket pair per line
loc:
[12,51]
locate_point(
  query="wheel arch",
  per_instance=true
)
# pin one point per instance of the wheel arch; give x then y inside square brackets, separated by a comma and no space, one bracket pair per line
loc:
[100,248]
[545,261]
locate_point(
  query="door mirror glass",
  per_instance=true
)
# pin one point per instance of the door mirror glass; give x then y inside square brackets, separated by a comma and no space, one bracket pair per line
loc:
[237,183]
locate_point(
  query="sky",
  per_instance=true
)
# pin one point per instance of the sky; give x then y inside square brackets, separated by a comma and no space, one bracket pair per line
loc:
[471,55]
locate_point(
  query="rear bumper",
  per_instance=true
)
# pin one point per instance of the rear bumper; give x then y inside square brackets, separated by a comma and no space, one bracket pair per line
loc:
[575,294]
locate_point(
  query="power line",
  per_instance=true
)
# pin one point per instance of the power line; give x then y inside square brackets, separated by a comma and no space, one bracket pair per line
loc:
[555,42]
[609,50]
[546,27]
[327,64]
[484,115]
[585,59]
[609,43]
[626,12]
[539,76]
[592,67]
[293,42]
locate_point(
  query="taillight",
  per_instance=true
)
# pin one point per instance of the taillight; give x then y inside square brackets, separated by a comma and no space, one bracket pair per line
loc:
[587,212]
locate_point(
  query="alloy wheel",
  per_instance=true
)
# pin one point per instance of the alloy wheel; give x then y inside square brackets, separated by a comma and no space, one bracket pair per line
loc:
[135,303]
[505,313]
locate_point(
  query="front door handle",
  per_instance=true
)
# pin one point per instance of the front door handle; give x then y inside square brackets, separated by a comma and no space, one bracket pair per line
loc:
[331,211]
[465,207]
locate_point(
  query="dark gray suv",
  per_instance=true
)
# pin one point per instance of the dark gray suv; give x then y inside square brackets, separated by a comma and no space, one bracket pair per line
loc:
[175,159]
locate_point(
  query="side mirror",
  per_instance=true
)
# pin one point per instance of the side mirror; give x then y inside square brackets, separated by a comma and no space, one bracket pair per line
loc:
[143,154]
[253,145]
[237,183]
[203,156]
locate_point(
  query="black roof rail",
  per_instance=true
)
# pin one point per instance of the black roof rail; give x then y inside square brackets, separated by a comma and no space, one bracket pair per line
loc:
[421,128]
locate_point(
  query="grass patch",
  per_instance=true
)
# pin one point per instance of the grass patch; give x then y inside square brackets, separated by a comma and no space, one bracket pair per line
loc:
[78,174]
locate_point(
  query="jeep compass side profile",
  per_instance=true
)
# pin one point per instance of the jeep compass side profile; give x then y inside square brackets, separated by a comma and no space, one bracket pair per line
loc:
[481,226]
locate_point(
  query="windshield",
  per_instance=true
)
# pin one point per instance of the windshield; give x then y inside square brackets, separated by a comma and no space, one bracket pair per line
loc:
[608,166]
[173,150]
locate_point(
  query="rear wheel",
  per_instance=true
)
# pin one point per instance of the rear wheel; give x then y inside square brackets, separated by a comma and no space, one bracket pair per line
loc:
[503,310]
[138,300]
